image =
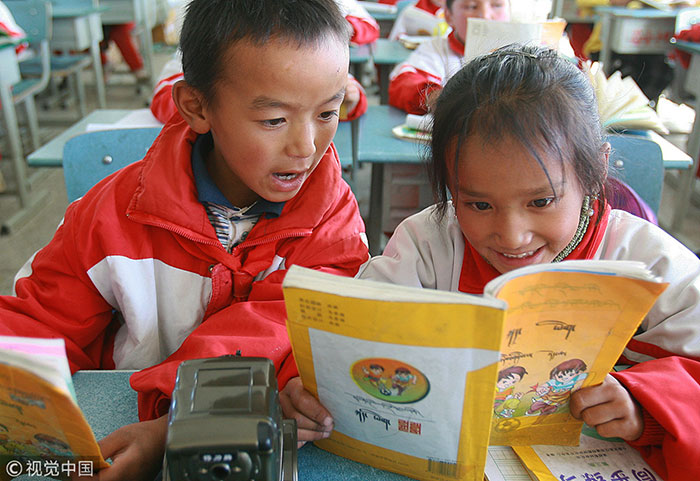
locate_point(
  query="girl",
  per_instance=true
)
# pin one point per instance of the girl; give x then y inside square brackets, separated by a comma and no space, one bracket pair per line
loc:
[517,143]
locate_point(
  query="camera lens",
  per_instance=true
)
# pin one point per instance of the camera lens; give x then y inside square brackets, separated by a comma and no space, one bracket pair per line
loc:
[220,471]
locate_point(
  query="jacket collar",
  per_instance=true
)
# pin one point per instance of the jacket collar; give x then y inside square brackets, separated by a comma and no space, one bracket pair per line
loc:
[166,194]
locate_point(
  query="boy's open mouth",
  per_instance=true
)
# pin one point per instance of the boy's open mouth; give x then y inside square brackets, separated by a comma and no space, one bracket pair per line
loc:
[286,176]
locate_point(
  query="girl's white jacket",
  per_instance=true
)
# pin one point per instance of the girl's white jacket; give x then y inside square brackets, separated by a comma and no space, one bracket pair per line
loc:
[424,253]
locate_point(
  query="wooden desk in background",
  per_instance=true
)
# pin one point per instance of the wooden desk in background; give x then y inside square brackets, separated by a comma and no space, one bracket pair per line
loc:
[687,179]
[109,403]
[143,14]
[634,31]
[79,28]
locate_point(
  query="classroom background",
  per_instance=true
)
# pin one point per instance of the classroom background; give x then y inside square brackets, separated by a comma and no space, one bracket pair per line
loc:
[124,89]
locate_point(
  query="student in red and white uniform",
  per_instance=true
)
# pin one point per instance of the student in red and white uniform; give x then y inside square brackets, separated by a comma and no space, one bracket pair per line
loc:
[434,62]
[419,19]
[365,28]
[182,255]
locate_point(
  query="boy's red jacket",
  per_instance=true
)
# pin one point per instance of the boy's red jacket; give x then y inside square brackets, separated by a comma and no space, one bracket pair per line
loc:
[135,276]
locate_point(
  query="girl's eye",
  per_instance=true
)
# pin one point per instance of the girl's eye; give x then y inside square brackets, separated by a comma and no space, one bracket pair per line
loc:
[273,122]
[543,202]
[329,114]
[480,205]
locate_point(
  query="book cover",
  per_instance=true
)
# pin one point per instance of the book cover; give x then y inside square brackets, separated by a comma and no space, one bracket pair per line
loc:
[411,376]
[40,421]
[407,373]
[565,328]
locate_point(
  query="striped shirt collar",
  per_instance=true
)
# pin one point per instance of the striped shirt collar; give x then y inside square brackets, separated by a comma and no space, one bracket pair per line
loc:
[207,191]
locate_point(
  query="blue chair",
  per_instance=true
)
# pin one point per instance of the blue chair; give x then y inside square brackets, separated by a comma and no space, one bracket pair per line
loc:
[34,16]
[639,163]
[92,156]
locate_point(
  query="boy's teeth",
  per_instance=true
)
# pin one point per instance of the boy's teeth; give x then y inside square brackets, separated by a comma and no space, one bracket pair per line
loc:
[519,256]
[286,176]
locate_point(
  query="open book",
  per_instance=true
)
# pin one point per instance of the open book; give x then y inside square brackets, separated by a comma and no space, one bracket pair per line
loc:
[484,36]
[40,421]
[668,5]
[621,103]
[411,375]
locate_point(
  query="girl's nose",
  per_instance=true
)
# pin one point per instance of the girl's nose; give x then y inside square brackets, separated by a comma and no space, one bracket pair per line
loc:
[513,231]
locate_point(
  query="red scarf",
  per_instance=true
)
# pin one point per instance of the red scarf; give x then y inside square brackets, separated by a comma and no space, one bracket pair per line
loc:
[476,272]
[428,6]
[454,43]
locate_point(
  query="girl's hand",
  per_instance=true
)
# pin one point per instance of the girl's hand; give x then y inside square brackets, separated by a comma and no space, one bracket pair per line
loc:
[136,451]
[313,420]
[610,408]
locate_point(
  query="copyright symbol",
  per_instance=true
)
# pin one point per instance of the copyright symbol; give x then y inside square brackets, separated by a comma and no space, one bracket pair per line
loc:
[14,468]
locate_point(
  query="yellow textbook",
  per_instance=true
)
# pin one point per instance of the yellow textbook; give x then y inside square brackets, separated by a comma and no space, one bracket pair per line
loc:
[411,375]
[42,430]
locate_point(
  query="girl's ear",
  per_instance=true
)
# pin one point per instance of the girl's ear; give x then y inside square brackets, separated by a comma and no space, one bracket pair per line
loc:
[190,104]
[605,156]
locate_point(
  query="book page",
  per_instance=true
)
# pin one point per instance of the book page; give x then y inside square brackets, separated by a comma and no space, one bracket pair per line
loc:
[484,36]
[502,464]
[409,382]
[594,458]
[564,330]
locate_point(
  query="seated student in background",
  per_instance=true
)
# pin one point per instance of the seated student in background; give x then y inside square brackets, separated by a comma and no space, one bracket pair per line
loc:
[182,255]
[517,143]
[419,19]
[163,106]
[434,62]
[365,28]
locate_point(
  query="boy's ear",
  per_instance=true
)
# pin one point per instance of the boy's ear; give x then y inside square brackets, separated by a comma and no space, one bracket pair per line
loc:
[190,104]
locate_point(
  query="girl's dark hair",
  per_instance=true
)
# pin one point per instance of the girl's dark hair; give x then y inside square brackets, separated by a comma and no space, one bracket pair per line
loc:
[530,94]
[211,26]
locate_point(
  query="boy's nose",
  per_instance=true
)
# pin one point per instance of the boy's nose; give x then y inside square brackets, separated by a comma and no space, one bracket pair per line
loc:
[301,142]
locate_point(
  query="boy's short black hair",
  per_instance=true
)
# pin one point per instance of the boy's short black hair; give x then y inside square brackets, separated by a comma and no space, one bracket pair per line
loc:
[211,26]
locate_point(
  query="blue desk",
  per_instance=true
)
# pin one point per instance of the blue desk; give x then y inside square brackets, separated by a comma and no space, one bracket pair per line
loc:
[78,28]
[687,179]
[109,403]
[51,154]
[630,31]
[386,54]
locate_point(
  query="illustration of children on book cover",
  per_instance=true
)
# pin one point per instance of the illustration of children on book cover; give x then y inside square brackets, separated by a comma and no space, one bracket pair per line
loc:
[559,337]
[38,422]
[404,398]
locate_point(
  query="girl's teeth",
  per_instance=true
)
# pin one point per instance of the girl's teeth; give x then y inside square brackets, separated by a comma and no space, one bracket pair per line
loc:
[519,256]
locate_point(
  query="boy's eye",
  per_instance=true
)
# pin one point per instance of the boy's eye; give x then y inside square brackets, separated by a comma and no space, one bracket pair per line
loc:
[329,114]
[273,122]
[543,202]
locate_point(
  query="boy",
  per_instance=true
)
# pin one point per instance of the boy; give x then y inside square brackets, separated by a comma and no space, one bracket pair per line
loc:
[434,62]
[364,30]
[182,255]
